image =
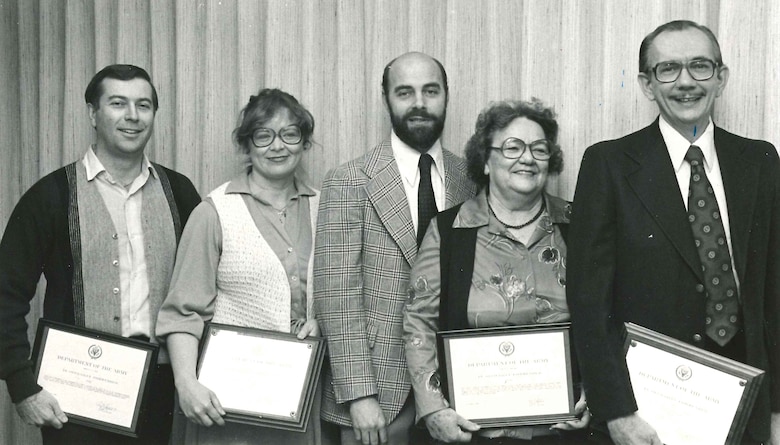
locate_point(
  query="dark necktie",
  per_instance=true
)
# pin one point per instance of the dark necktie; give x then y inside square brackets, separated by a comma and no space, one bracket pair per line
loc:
[722,313]
[426,202]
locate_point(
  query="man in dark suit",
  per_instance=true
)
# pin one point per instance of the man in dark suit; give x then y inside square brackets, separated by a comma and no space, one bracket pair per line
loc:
[634,241]
[373,212]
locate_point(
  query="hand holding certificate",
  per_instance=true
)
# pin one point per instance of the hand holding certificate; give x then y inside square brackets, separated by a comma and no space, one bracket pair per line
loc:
[510,376]
[99,380]
[261,377]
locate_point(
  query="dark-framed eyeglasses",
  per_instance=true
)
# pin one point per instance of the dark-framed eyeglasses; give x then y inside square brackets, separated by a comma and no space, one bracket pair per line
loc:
[263,137]
[513,148]
[699,69]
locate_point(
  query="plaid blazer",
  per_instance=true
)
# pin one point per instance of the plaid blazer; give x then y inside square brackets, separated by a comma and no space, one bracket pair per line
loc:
[364,249]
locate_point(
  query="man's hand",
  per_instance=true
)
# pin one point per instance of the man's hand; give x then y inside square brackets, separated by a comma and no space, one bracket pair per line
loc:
[200,404]
[632,430]
[581,411]
[368,421]
[448,426]
[41,409]
[309,328]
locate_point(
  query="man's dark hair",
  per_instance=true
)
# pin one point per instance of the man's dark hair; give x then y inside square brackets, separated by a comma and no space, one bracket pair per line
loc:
[386,74]
[676,25]
[120,72]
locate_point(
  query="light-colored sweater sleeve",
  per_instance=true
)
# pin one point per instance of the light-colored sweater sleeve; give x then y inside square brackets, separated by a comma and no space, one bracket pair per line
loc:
[193,290]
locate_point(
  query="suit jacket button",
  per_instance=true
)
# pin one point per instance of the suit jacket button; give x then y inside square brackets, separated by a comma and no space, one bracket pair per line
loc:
[697,337]
[116,318]
[699,288]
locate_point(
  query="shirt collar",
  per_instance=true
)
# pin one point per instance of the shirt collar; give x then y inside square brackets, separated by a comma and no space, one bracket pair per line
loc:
[407,158]
[240,184]
[678,145]
[94,167]
[475,213]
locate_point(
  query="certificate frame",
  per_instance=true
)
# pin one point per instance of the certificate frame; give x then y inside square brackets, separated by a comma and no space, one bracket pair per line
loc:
[505,338]
[298,419]
[103,352]
[690,361]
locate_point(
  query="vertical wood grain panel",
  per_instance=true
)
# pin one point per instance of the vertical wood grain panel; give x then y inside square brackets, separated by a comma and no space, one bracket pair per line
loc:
[162,69]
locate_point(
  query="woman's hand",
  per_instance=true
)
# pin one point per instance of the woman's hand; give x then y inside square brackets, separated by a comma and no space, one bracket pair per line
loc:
[200,404]
[448,426]
[309,328]
[580,410]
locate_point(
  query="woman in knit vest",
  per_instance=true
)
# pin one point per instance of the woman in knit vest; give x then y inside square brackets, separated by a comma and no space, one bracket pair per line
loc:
[499,259]
[245,260]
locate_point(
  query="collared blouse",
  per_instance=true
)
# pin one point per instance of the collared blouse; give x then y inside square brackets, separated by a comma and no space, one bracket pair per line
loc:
[192,294]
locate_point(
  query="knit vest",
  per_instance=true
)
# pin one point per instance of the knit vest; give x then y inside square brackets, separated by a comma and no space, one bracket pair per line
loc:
[252,286]
[97,295]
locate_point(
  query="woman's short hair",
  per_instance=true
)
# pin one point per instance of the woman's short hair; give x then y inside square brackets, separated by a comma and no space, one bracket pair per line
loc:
[262,108]
[497,116]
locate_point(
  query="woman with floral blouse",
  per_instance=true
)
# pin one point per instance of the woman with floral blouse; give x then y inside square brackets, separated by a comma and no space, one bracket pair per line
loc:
[507,249]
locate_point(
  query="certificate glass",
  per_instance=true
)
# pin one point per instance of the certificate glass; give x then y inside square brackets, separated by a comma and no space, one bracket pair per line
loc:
[261,377]
[511,376]
[100,380]
[690,396]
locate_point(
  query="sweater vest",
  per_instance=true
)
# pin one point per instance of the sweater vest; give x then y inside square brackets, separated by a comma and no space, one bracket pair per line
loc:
[252,286]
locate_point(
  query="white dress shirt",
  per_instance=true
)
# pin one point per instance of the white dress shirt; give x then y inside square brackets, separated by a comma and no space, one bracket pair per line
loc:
[407,159]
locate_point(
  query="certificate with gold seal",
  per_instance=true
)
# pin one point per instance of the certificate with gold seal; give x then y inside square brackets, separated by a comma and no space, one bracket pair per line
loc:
[100,380]
[261,377]
[689,395]
[509,376]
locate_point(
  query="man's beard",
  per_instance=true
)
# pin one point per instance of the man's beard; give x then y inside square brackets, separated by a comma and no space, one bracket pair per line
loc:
[422,137]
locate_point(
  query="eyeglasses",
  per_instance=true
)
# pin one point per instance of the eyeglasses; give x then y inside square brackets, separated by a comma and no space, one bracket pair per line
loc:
[263,137]
[699,69]
[513,148]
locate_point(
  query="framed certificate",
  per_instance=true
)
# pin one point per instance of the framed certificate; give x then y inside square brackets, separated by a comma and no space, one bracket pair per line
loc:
[261,377]
[510,376]
[689,395]
[100,380]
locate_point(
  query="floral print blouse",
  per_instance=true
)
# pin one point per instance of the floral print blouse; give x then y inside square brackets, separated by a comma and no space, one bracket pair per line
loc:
[512,284]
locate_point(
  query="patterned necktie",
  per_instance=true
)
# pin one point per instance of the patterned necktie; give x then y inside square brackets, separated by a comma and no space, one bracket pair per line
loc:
[426,202]
[722,313]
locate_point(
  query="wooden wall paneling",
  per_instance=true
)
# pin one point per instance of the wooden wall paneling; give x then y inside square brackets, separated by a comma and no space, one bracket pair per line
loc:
[52,84]
[319,76]
[769,114]
[190,44]
[28,76]
[351,126]
[745,57]
[215,151]
[162,69]
[77,132]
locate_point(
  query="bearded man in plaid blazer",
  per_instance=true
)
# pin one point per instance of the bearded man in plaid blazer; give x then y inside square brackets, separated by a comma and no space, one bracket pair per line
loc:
[365,247]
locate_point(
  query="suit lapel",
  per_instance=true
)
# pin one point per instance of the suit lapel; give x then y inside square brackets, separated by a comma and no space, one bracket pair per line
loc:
[655,184]
[740,181]
[386,193]
[456,183]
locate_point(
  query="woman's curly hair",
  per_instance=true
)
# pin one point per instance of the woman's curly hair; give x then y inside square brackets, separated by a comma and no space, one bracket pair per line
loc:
[497,116]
